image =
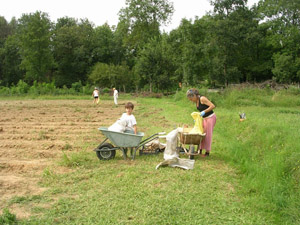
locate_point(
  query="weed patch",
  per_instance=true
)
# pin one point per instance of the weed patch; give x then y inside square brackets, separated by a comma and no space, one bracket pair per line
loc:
[7,218]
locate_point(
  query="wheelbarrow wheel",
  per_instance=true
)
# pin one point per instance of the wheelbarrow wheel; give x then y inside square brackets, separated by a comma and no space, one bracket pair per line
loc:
[106,155]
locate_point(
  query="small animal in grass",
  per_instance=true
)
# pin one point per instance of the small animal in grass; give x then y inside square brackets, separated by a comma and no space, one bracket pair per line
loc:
[242,116]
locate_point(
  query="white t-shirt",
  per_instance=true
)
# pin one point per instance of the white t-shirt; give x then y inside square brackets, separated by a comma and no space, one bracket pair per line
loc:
[130,121]
[115,93]
[95,93]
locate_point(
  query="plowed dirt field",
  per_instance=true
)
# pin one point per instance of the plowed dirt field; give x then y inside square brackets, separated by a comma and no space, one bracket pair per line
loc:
[34,134]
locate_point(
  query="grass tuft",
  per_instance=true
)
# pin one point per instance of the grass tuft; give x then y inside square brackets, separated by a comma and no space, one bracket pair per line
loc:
[7,218]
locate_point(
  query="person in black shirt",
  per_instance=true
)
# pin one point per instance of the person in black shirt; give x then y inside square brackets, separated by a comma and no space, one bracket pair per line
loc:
[205,108]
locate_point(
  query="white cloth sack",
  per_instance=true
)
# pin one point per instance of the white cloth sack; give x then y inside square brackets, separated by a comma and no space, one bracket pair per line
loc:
[118,126]
[171,153]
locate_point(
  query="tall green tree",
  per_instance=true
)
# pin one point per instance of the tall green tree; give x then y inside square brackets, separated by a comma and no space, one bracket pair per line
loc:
[119,49]
[103,44]
[34,32]
[110,75]
[229,31]
[141,20]
[11,62]
[154,65]
[72,47]
[6,30]
[283,20]
[100,75]
[188,44]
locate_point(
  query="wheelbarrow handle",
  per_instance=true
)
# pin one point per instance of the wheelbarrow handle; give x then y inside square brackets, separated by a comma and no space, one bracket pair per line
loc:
[154,136]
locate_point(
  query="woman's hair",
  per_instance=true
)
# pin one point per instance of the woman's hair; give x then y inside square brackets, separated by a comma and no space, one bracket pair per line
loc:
[129,105]
[192,92]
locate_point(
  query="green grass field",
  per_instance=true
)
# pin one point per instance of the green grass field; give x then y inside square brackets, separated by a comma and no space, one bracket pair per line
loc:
[251,177]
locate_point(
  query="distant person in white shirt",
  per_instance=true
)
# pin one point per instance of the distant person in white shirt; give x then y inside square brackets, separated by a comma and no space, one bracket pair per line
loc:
[129,118]
[116,95]
[96,96]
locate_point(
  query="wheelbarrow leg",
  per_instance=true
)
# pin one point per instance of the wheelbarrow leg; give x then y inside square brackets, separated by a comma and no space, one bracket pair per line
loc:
[134,152]
[124,151]
[192,151]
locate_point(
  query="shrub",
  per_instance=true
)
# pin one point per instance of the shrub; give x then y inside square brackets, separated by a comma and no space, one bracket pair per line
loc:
[22,87]
[77,86]
[86,90]
[105,90]
[42,88]
[4,91]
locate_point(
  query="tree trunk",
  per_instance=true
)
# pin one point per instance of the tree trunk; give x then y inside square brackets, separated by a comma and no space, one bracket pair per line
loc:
[225,75]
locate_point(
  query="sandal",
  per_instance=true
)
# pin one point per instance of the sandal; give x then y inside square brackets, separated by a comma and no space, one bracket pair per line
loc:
[205,155]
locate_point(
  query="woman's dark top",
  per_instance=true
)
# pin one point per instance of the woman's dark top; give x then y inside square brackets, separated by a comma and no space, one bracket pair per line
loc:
[202,107]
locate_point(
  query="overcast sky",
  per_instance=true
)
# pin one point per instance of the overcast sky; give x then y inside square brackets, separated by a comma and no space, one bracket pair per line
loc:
[99,11]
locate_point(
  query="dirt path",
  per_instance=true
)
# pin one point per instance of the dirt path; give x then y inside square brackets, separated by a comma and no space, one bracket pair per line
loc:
[33,134]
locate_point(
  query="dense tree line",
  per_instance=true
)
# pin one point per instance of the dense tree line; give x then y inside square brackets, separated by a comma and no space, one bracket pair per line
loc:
[231,44]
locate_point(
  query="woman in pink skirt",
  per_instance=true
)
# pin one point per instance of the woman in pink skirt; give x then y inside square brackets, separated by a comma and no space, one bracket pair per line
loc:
[205,108]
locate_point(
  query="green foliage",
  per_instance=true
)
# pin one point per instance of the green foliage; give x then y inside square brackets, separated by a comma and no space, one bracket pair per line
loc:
[104,44]
[21,88]
[11,70]
[228,44]
[80,159]
[285,69]
[141,20]
[284,37]
[42,88]
[187,51]
[72,44]
[77,86]
[119,76]
[247,97]
[259,97]
[100,75]
[155,66]
[5,30]
[105,90]
[34,35]
[37,89]
[4,91]
[231,44]
[7,218]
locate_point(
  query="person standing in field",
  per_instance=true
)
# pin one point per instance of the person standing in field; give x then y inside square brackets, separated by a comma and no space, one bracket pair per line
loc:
[116,95]
[205,108]
[96,96]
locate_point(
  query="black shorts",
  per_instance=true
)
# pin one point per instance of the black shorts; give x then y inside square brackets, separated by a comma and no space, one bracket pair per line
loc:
[96,97]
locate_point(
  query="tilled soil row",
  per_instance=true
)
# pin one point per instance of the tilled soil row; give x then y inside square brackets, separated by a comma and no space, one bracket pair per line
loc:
[34,133]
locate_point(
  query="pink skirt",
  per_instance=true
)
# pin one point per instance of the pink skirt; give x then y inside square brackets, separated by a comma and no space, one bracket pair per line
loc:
[208,125]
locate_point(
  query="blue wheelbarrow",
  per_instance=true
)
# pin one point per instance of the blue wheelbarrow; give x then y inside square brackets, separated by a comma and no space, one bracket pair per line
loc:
[123,142]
